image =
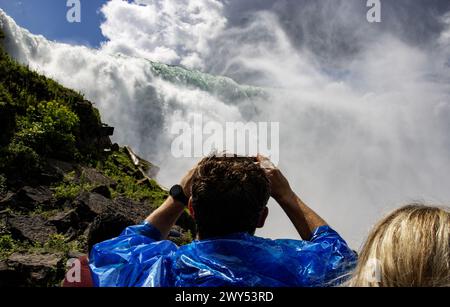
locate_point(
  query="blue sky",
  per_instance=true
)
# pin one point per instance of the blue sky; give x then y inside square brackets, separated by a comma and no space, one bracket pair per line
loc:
[48,17]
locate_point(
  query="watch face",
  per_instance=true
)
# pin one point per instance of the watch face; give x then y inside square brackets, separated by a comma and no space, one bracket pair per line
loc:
[178,194]
[176,191]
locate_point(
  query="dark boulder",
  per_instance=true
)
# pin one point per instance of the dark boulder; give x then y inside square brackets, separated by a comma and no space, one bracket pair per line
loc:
[32,228]
[65,220]
[102,190]
[39,270]
[7,200]
[135,211]
[60,168]
[95,177]
[89,205]
[105,227]
[28,198]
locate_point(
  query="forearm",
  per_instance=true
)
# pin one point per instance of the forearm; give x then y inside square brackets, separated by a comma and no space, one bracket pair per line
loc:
[304,218]
[165,217]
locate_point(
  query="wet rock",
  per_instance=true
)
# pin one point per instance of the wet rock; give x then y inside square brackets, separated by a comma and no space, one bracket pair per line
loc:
[89,205]
[31,197]
[30,228]
[27,198]
[38,195]
[7,199]
[115,147]
[102,190]
[135,211]
[60,168]
[106,130]
[65,220]
[105,227]
[95,177]
[33,269]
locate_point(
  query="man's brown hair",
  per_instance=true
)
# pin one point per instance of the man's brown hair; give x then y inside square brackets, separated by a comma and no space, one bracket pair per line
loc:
[228,196]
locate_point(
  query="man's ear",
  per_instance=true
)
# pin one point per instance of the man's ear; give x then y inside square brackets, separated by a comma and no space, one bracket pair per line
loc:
[262,217]
[191,208]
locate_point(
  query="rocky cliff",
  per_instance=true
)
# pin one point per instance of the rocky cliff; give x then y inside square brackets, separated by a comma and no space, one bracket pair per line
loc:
[63,185]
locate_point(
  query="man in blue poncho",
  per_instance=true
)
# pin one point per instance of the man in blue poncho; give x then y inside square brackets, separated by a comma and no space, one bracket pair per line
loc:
[228,199]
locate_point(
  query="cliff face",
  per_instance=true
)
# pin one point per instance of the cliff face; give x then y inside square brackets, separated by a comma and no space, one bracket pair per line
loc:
[63,185]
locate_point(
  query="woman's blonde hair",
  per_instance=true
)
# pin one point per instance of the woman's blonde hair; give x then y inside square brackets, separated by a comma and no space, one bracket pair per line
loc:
[408,248]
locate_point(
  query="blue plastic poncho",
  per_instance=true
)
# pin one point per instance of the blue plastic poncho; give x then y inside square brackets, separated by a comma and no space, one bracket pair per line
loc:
[139,258]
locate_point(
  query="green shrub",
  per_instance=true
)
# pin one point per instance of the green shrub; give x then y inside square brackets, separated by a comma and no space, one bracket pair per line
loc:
[49,128]
[40,114]
[70,187]
[185,239]
[7,116]
[56,242]
[3,185]
[5,97]
[20,159]
[7,246]
[59,243]
[69,191]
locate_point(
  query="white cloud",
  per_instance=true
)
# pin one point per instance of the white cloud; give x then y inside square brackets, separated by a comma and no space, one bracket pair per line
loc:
[169,31]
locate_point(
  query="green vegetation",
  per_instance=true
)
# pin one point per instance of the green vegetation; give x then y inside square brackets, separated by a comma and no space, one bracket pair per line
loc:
[3,187]
[56,243]
[69,191]
[186,238]
[70,187]
[48,121]
[19,159]
[44,212]
[41,119]
[59,243]
[45,129]
[129,181]
[7,246]
[119,167]
[27,87]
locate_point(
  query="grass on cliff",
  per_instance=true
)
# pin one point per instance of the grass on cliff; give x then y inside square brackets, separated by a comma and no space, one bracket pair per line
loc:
[56,243]
[41,119]
[119,167]
[70,187]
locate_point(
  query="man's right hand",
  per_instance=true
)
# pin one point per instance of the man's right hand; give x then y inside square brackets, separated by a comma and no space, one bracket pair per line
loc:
[304,218]
[186,182]
[279,185]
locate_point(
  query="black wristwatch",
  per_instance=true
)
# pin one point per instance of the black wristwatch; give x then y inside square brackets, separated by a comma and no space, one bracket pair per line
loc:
[177,193]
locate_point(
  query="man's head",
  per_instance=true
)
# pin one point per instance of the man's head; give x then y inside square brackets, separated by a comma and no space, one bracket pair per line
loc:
[229,195]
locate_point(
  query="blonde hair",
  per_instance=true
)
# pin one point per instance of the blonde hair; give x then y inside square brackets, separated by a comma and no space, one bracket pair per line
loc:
[408,248]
